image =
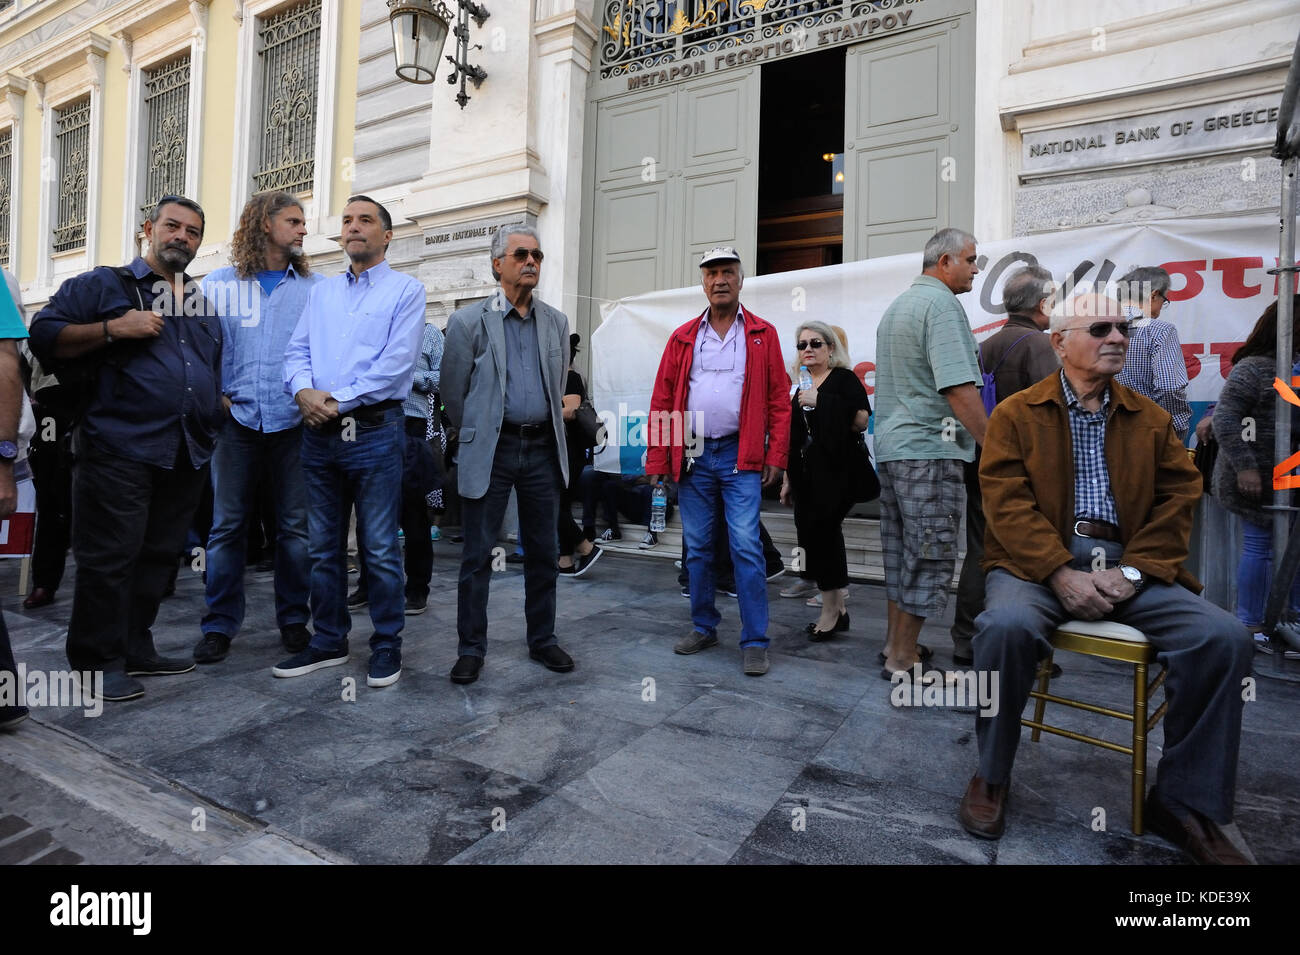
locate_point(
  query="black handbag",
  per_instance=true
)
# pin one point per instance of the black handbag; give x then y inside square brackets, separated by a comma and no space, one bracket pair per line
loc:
[590,425]
[866,483]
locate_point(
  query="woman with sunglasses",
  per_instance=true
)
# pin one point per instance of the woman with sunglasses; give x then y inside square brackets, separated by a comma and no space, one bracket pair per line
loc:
[1243,470]
[819,479]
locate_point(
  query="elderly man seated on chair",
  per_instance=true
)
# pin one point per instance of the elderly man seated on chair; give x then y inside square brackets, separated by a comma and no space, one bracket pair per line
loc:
[1089,496]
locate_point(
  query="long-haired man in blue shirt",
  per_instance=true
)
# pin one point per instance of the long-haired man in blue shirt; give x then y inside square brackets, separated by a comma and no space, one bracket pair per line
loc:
[260,298]
[349,367]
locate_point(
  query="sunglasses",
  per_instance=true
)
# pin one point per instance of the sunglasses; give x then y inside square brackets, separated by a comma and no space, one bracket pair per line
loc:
[1102,329]
[521,255]
[811,343]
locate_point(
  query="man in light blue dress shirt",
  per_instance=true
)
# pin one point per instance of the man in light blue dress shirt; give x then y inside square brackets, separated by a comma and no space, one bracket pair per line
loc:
[260,299]
[1155,367]
[349,366]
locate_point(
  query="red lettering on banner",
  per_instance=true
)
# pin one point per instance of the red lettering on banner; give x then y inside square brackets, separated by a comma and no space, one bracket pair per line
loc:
[1191,271]
[1191,358]
[1234,275]
[1225,351]
[861,369]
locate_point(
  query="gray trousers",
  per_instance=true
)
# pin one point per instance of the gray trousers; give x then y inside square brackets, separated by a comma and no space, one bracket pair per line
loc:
[1206,651]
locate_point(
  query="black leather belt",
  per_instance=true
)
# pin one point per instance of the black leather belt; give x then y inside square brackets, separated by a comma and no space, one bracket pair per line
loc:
[1097,529]
[528,432]
[365,414]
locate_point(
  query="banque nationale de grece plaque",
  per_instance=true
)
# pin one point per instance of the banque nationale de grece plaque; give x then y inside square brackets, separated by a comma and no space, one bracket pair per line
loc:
[1170,134]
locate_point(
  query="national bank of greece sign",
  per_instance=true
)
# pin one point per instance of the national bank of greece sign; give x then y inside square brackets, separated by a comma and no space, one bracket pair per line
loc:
[1181,133]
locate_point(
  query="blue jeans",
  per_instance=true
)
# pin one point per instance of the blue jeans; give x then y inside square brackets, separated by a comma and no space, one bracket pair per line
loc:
[244,457]
[716,486]
[529,466]
[1255,575]
[368,469]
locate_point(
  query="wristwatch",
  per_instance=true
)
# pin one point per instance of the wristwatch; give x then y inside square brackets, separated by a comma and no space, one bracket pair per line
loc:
[108,336]
[1133,576]
[8,452]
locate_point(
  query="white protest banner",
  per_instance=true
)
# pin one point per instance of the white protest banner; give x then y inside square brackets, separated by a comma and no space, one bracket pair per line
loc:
[1220,287]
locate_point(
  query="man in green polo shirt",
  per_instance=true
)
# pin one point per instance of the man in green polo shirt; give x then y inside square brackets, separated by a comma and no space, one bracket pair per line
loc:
[929,417]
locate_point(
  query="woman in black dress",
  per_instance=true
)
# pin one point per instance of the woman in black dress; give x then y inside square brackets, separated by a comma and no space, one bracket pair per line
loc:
[822,468]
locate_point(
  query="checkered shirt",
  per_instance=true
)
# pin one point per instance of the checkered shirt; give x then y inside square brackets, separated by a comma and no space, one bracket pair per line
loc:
[1093,500]
[1155,368]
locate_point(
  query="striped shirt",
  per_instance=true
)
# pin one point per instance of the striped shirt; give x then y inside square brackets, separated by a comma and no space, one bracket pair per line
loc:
[1155,368]
[1093,500]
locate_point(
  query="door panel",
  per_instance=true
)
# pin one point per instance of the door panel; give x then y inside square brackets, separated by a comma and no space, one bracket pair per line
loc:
[652,222]
[719,170]
[908,155]
[917,75]
[629,132]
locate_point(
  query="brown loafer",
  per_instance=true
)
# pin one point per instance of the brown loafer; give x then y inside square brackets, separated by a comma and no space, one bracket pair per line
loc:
[1200,838]
[984,809]
[39,597]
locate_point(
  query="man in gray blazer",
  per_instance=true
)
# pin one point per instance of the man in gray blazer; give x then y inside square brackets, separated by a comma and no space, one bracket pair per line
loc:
[502,385]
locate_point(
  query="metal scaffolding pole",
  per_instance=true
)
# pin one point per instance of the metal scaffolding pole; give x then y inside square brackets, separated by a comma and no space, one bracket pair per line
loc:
[1287,149]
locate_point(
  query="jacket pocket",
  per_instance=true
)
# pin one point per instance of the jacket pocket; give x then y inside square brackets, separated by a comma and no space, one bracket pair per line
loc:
[938,538]
[467,435]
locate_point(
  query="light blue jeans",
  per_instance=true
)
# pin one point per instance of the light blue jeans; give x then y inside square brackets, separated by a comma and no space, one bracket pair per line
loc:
[715,487]
[1255,575]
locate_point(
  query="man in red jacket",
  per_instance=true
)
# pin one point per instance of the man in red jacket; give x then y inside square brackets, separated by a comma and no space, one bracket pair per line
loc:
[720,422]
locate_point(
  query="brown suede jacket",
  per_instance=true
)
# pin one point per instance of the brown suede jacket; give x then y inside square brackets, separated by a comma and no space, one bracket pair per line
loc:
[1027,480]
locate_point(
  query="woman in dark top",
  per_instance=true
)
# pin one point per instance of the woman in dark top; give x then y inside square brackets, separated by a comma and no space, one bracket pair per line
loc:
[820,476]
[1243,470]
[572,540]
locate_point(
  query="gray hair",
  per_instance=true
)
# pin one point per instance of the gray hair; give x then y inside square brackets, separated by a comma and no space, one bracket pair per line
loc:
[184,202]
[945,242]
[1095,305]
[1139,285]
[1026,288]
[501,238]
[839,354]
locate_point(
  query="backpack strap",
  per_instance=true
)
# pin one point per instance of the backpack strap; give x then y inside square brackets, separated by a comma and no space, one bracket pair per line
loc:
[1005,353]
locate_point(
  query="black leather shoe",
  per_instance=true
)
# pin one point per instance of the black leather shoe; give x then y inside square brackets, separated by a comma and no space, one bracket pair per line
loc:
[553,658]
[466,669]
[295,637]
[118,687]
[819,636]
[212,648]
[158,666]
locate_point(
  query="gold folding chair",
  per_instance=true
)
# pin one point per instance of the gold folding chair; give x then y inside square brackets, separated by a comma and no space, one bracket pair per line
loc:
[1110,641]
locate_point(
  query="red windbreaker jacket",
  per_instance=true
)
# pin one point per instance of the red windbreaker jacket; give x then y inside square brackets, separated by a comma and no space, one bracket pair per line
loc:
[764,403]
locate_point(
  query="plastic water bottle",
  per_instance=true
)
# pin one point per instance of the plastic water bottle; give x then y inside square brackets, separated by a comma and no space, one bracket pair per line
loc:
[805,382]
[658,508]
